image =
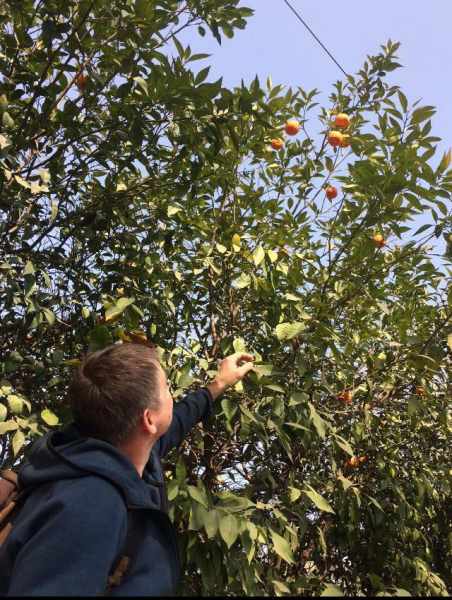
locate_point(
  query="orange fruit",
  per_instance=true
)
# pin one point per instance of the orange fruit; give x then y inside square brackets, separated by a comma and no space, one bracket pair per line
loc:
[379,240]
[345,143]
[292,127]
[342,120]
[362,459]
[331,193]
[383,423]
[335,138]
[121,291]
[129,264]
[80,81]
[345,398]
[420,390]
[352,463]
[277,144]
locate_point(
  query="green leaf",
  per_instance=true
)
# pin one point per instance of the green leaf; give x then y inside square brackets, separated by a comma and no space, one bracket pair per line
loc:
[8,426]
[29,269]
[7,120]
[272,255]
[172,209]
[345,482]
[3,412]
[449,340]
[212,522]
[301,364]
[267,369]
[232,503]
[331,589]
[198,494]
[49,315]
[3,103]
[45,175]
[5,386]
[142,84]
[340,441]
[197,517]
[319,423]
[282,548]
[319,500]
[16,404]
[229,407]
[172,489]
[18,441]
[49,417]
[229,529]
[54,210]
[289,330]
[144,9]
[414,404]
[258,255]
[116,310]
[239,345]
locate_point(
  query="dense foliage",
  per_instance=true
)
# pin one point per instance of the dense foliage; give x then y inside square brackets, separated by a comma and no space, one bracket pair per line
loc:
[125,173]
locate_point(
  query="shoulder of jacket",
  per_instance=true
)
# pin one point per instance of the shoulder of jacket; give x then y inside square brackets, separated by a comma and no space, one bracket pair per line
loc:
[93,489]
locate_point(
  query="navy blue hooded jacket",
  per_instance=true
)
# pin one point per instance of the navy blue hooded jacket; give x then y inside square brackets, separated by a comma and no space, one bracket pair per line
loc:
[72,526]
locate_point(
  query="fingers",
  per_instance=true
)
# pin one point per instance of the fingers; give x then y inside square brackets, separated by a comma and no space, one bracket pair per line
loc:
[246,368]
[241,356]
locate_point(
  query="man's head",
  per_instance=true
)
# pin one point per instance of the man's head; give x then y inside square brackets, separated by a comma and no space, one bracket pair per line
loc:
[119,389]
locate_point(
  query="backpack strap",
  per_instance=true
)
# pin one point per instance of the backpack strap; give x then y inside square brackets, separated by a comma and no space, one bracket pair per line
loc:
[8,497]
[128,552]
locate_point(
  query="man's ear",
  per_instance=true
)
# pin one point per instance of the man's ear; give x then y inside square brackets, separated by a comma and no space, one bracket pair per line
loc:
[149,422]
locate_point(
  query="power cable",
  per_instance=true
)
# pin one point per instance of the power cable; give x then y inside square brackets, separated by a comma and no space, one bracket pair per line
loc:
[314,35]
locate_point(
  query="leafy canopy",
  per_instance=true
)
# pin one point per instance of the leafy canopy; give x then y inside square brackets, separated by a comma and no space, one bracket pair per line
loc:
[125,174]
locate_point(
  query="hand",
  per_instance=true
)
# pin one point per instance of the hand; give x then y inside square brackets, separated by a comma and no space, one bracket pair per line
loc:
[232,370]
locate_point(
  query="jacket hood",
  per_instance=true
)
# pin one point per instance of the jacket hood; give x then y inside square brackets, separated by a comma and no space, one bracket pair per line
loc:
[69,454]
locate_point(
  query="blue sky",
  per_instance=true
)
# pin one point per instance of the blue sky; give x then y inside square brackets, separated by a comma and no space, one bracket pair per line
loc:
[275,43]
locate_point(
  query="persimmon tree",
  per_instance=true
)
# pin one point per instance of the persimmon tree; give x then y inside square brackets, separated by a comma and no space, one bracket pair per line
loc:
[141,202]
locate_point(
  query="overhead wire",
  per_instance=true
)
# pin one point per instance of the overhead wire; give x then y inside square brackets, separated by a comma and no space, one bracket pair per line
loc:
[314,35]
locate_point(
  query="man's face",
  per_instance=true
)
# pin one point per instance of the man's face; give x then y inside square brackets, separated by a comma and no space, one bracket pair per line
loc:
[165,413]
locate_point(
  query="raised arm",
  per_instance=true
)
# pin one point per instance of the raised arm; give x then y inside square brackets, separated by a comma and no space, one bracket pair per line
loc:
[196,407]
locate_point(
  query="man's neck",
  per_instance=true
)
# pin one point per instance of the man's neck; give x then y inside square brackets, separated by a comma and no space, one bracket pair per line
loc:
[138,452]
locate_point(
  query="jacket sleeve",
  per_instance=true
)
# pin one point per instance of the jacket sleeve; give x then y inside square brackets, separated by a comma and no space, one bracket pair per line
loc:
[191,410]
[68,546]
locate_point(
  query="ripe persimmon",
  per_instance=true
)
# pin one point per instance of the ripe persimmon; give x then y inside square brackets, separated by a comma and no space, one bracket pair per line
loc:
[342,120]
[335,138]
[292,127]
[80,81]
[331,193]
[379,240]
[277,144]
[345,398]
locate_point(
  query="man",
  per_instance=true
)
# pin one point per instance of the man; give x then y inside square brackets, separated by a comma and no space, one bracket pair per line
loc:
[89,478]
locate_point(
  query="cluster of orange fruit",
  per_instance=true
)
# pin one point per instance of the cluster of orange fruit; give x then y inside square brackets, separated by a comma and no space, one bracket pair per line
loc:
[379,240]
[355,461]
[80,81]
[292,127]
[345,398]
[337,138]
